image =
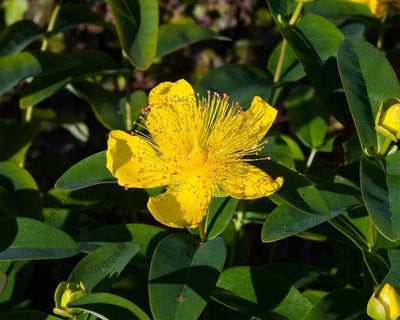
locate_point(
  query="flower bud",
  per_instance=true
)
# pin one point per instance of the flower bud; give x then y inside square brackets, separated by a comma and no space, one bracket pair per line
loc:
[386,306]
[67,292]
[387,121]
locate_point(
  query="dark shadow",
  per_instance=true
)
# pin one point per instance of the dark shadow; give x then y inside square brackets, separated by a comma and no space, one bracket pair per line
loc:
[9,229]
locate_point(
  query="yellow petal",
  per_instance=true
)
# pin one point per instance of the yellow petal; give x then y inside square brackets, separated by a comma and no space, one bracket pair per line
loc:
[243,181]
[168,91]
[134,162]
[391,300]
[260,117]
[183,208]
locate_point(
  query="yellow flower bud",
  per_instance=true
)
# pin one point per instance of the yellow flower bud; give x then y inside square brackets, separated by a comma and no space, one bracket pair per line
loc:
[391,301]
[391,118]
[67,292]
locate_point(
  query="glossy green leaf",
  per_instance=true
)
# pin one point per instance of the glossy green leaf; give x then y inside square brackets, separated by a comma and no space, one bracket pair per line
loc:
[183,274]
[17,36]
[173,37]
[393,276]
[377,266]
[286,221]
[341,304]
[260,293]
[146,236]
[22,135]
[35,241]
[73,15]
[307,116]
[219,215]
[27,314]
[25,64]
[240,82]
[368,79]
[380,190]
[21,198]
[137,28]
[108,108]
[86,63]
[338,11]
[316,51]
[100,268]
[108,306]
[87,172]
[3,281]
[297,190]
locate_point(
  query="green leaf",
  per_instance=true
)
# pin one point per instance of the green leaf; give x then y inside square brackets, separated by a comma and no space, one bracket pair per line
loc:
[109,109]
[341,304]
[108,306]
[183,274]
[307,116]
[25,64]
[316,51]
[377,266]
[86,63]
[284,8]
[297,190]
[260,293]
[368,79]
[137,28]
[173,37]
[380,190]
[17,36]
[219,215]
[27,314]
[146,236]
[35,241]
[22,135]
[73,15]
[240,82]
[338,11]
[286,221]
[100,268]
[20,196]
[87,172]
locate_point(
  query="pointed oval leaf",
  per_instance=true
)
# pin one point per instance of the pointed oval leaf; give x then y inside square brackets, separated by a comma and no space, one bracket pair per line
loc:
[17,36]
[35,241]
[19,66]
[173,37]
[240,82]
[286,221]
[219,215]
[368,79]
[260,293]
[183,274]
[108,306]
[89,171]
[137,28]
[381,190]
[100,268]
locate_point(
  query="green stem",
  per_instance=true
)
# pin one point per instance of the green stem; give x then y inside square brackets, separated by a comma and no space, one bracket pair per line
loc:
[310,160]
[202,232]
[45,43]
[279,66]
[372,235]
[385,146]
[238,222]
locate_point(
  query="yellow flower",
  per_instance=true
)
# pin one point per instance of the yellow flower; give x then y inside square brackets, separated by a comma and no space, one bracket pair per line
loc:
[390,300]
[380,8]
[195,146]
